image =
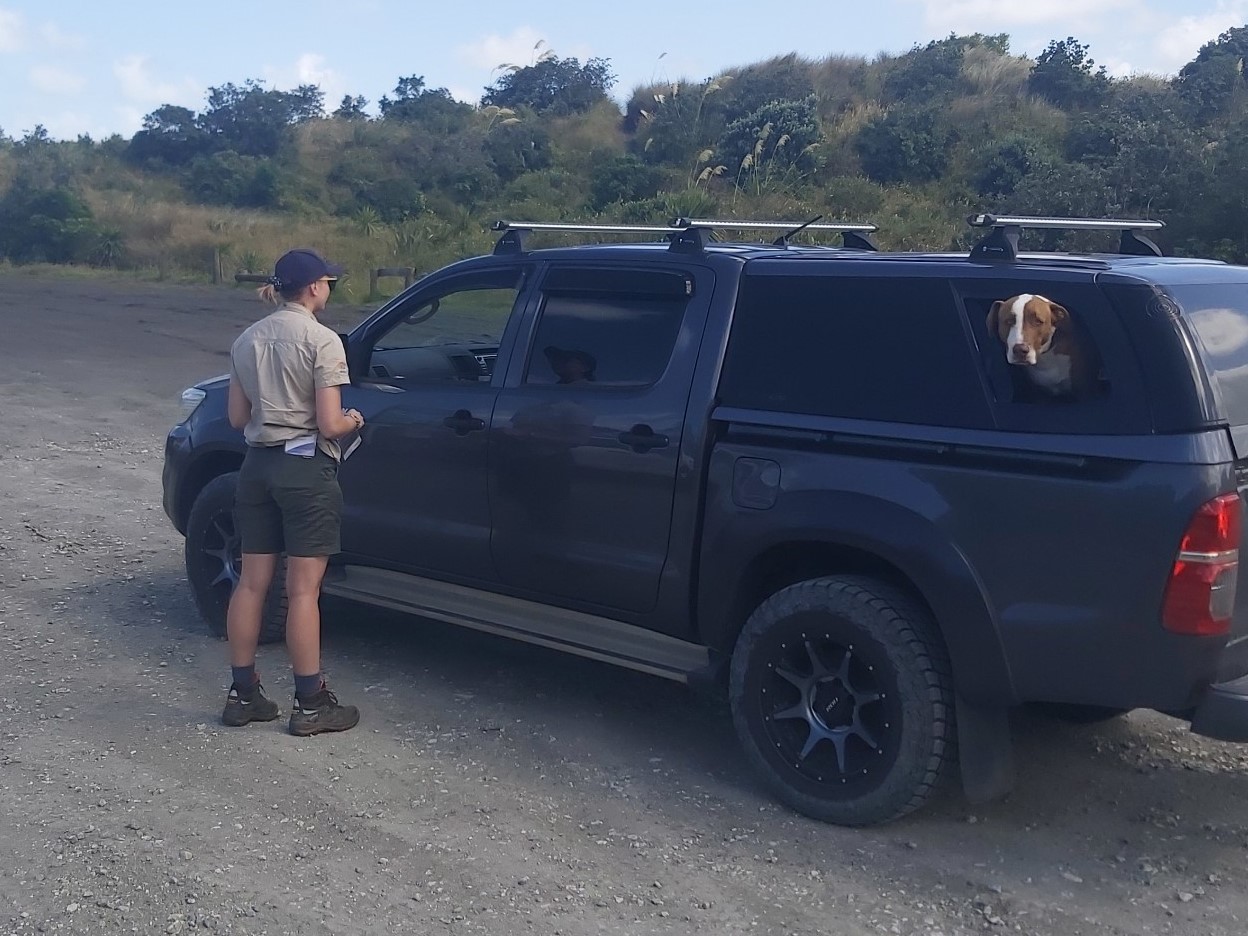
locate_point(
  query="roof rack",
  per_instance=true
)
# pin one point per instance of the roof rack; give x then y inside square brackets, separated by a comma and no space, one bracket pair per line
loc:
[852,235]
[515,232]
[683,233]
[1001,243]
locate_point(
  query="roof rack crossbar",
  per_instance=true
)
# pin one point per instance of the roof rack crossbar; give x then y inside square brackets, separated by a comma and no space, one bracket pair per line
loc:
[692,234]
[855,235]
[1001,242]
[514,233]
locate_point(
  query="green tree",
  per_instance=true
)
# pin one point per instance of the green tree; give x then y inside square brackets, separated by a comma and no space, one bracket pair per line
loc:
[352,108]
[1065,75]
[1213,83]
[674,129]
[776,137]
[252,120]
[1006,164]
[230,178]
[433,107]
[171,135]
[622,179]
[514,148]
[552,86]
[905,145]
[925,72]
[45,224]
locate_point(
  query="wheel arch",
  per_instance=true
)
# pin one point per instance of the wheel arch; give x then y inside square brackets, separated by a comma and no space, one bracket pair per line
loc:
[199,474]
[866,537]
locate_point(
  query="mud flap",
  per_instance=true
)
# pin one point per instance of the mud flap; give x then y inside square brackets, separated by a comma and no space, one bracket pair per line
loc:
[985,751]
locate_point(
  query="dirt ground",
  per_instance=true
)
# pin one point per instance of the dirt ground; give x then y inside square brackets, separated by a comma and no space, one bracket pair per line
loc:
[491,787]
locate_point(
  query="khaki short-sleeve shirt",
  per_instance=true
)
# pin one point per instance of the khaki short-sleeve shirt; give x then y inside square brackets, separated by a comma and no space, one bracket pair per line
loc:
[280,362]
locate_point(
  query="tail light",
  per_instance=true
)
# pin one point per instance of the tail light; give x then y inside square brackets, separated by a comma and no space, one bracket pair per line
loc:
[1200,598]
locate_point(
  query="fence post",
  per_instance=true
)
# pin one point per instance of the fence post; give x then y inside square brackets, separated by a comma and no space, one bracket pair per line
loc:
[216,266]
[372,282]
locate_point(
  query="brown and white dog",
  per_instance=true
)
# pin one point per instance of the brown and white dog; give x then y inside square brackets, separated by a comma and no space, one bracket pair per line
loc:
[1038,335]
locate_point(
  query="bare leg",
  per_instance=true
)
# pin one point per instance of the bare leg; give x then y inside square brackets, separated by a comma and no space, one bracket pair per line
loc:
[242,621]
[303,617]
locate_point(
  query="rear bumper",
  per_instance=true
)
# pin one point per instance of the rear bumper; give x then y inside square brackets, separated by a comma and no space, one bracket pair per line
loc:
[1223,712]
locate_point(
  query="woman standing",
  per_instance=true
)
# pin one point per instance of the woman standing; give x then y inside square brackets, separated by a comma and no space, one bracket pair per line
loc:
[286,372]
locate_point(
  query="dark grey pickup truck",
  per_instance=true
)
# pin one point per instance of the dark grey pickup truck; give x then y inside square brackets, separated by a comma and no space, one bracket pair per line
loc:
[881,498]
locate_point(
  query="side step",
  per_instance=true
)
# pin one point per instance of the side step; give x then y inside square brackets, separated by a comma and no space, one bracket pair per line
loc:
[585,635]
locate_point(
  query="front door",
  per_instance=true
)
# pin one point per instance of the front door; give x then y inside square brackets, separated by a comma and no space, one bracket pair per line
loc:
[586,435]
[415,490]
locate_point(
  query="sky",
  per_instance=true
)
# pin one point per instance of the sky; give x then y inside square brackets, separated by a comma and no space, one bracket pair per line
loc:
[97,67]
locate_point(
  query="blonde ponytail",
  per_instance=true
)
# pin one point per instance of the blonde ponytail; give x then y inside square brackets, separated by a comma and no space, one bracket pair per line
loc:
[268,294]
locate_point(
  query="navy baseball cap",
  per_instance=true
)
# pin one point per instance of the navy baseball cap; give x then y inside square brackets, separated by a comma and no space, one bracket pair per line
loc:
[301,267]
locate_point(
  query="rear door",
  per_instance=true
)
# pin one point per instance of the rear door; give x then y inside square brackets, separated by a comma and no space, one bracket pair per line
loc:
[585,437]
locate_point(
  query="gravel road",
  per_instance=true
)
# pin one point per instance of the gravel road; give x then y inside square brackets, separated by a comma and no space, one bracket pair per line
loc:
[490,788]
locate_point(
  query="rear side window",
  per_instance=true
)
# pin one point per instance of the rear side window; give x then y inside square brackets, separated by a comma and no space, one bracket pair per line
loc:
[1218,314]
[1081,377]
[603,328]
[893,349]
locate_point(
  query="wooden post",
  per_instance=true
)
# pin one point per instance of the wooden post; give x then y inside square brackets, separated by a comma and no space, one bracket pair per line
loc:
[216,266]
[372,282]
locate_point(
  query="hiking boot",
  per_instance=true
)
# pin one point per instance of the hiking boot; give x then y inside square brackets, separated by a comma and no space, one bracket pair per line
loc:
[321,712]
[243,707]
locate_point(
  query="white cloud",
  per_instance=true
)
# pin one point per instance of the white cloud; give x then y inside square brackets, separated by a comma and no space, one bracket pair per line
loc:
[964,16]
[129,120]
[1178,42]
[466,95]
[12,31]
[140,86]
[309,68]
[1119,68]
[69,125]
[53,37]
[522,47]
[51,79]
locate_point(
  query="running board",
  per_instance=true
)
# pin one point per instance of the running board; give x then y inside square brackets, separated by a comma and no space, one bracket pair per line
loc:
[585,635]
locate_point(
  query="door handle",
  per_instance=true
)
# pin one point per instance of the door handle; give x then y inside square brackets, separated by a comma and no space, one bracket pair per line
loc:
[463,422]
[642,439]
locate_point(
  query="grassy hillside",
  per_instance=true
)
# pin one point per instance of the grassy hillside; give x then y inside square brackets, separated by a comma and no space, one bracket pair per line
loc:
[913,142]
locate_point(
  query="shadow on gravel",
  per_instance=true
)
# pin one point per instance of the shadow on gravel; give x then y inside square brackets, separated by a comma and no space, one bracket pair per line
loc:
[1130,770]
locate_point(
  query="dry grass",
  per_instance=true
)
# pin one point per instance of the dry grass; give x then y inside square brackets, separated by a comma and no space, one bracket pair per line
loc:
[990,74]
[839,83]
[170,238]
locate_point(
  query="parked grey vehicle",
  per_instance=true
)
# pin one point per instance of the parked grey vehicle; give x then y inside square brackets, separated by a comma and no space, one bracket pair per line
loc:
[879,499]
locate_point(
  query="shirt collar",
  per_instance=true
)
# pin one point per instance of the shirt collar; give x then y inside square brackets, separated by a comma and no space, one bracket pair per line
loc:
[297,307]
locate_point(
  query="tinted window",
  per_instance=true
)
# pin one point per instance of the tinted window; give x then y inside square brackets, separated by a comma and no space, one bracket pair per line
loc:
[592,338]
[1218,313]
[1089,382]
[1029,381]
[451,333]
[892,349]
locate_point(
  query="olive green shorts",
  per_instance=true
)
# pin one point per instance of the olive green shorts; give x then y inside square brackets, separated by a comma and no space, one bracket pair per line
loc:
[288,503]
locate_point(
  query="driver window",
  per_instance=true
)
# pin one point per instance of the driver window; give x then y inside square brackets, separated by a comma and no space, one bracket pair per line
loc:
[447,335]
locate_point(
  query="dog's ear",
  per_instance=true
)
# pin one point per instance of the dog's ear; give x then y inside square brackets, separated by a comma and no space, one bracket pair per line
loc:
[994,317]
[1060,316]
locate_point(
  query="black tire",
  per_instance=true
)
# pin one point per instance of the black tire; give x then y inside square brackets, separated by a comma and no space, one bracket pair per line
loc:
[860,679]
[213,559]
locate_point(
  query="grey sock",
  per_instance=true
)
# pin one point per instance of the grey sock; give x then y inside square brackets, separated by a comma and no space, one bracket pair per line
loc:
[307,686]
[244,678]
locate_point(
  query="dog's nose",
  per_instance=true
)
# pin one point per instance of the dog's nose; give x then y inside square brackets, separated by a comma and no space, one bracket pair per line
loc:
[1021,350]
